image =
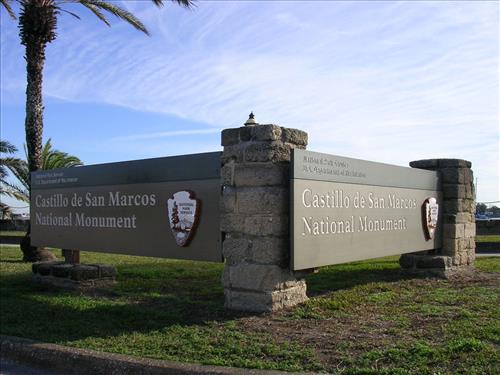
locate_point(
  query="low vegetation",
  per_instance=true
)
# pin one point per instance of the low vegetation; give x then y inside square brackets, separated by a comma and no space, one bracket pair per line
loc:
[488,238]
[13,233]
[362,318]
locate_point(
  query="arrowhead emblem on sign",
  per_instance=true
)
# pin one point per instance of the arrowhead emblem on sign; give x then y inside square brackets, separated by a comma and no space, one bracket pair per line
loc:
[430,211]
[183,214]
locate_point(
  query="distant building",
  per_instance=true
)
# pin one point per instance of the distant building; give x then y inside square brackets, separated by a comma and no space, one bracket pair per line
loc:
[20,216]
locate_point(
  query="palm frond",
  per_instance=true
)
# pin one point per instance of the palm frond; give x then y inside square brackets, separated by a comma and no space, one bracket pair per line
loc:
[8,8]
[6,147]
[96,12]
[67,11]
[21,172]
[58,159]
[53,159]
[184,3]
[10,163]
[14,191]
[117,12]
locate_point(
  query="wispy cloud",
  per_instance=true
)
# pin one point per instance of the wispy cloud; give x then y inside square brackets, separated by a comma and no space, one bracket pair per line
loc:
[173,133]
[389,81]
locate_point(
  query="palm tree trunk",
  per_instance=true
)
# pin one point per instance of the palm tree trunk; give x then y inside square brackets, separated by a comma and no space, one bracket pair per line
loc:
[37,24]
[35,60]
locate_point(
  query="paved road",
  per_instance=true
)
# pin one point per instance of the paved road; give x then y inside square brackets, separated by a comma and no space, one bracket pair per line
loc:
[8,367]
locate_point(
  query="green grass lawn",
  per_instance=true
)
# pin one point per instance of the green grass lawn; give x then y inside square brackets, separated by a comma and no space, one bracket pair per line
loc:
[488,238]
[16,233]
[362,318]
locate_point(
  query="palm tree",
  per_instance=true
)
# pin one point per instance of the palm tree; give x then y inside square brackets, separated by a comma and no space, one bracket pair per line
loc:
[5,211]
[37,28]
[50,159]
[8,188]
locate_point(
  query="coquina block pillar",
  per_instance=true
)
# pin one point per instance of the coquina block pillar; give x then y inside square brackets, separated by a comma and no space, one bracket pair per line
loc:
[255,217]
[458,221]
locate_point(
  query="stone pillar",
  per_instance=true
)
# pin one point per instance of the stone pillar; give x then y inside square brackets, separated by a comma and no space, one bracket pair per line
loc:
[255,217]
[458,224]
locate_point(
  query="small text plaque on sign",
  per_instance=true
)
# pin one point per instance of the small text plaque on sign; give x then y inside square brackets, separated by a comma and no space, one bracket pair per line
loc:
[163,207]
[346,209]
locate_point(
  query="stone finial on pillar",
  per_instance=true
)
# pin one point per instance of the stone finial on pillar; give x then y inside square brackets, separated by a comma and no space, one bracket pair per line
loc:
[255,218]
[459,227]
[251,120]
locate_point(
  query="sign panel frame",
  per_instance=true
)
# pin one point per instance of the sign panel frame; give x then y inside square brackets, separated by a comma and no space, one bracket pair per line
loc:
[345,209]
[124,207]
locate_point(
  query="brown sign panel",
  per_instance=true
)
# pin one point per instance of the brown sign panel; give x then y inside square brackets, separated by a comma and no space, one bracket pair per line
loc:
[347,209]
[165,207]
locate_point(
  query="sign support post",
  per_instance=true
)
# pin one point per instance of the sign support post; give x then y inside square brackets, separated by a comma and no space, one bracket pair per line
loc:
[459,228]
[255,213]
[71,256]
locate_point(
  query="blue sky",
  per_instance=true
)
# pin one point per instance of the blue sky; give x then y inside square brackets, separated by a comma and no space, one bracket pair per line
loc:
[384,81]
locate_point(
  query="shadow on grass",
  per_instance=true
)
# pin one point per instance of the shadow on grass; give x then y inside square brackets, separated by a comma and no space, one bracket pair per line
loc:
[14,261]
[149,297]
[346,276]
[137,304]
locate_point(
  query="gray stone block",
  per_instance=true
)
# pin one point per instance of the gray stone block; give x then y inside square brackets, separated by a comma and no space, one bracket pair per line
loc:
[464,217]
[470,230]
[34,267]
[256,277]
[236,250]
[262,200]
[228,200]
[61,270]
[454,163]
[230,137]
[454,230]
[46,266]
[454,191]
[266,132]
[245,133]
[248,301]
[266,225]
[267,151]
[459,218]
[262,174]
[453,206]
[430,164]
[82,272]
[232,223]
[265,301]
[436,261]
[105,270]
[453,175]
[232,153]
[469,190]
[227,173]
[472,244]
[270,250]
[45,269]
[450,246]
[294,136]
[407,261]
[290,296]
[226,282]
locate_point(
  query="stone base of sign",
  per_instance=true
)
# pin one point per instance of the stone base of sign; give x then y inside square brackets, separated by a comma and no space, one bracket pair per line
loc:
[429,265]
[260,301]
[73,276]
[458,221]
[255,210]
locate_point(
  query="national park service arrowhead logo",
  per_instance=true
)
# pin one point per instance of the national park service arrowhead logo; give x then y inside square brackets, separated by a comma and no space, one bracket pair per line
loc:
[183,212]
[430,212]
